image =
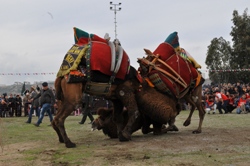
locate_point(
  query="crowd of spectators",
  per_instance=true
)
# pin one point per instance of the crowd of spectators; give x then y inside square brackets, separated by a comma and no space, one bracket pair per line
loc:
[10,105]
[227,97]
[17,105]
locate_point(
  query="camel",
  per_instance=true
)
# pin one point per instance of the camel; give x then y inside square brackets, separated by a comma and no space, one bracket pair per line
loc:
[169,72]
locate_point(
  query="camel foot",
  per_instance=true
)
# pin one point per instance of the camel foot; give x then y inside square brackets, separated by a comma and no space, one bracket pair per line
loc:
[124,136]
[146,131]
[196,131]
[186,123]
[158,131]
[70,145]
[172,128]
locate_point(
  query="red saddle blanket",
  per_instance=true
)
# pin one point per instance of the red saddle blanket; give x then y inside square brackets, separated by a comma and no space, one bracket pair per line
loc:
[182,67]
[100,53]
[100,60]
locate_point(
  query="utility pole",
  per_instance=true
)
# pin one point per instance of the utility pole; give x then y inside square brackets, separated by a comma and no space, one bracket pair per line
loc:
[115,9]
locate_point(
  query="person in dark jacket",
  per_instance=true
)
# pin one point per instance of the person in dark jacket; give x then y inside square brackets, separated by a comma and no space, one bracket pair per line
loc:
[12,104]
[240,90]
[18,106]
[34,104]
[88,105]
[47,99]
[4,106]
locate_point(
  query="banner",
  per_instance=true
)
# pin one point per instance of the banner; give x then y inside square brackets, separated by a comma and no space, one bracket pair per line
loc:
[54,73]
[22,74]
[230,70]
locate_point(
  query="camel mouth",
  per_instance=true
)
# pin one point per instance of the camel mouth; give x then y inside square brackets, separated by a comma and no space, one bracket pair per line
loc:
[93,126]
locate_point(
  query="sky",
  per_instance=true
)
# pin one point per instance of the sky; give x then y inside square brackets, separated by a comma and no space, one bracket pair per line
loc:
[36,34]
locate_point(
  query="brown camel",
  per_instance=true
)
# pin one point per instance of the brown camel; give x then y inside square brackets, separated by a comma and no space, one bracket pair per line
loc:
[153,63]
[105,122]
[122,94]
[155,108]
[160,108]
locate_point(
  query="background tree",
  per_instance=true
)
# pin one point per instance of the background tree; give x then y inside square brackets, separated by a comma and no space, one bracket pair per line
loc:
[241,45]
[222,59]
[218,60]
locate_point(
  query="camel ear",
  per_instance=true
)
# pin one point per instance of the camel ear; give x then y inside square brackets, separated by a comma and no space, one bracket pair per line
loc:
[101,110]
[148,52]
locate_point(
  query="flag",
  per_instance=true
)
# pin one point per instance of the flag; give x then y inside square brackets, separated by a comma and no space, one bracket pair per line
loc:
[23,89]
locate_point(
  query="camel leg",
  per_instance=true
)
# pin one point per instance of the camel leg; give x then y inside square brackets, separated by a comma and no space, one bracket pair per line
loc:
[188,120]
[146,130]
[58,124]
[133,113]
[171,126]
[118,118]
[146,125]
[157,128]
[127,131]
[171,122]
[201,110]
[202,113]
[125,93]
[54,122]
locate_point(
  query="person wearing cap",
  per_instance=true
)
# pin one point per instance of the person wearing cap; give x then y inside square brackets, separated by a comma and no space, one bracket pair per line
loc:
[34,104]
[47,99]
[26,103]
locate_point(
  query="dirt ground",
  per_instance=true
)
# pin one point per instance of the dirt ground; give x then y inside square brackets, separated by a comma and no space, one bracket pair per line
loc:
[225,140]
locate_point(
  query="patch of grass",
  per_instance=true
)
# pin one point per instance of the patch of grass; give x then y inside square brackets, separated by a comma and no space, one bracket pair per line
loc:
[31,145]
[31,158]
[70,158]
[1,135]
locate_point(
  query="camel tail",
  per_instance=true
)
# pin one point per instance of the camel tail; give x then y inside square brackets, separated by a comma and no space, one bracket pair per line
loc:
[58,87]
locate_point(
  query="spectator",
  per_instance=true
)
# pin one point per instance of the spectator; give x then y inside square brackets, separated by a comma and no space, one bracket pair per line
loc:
[26,102]
[231,89]
[222,101]
[242,105]
[53,108]
[244,88]
[4,106]
[34,104]
[210,103]
[88,105]
[248,89]
[18,106]
[12,104]
[77,112]
[231,104]
[240,89]
[47,99]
